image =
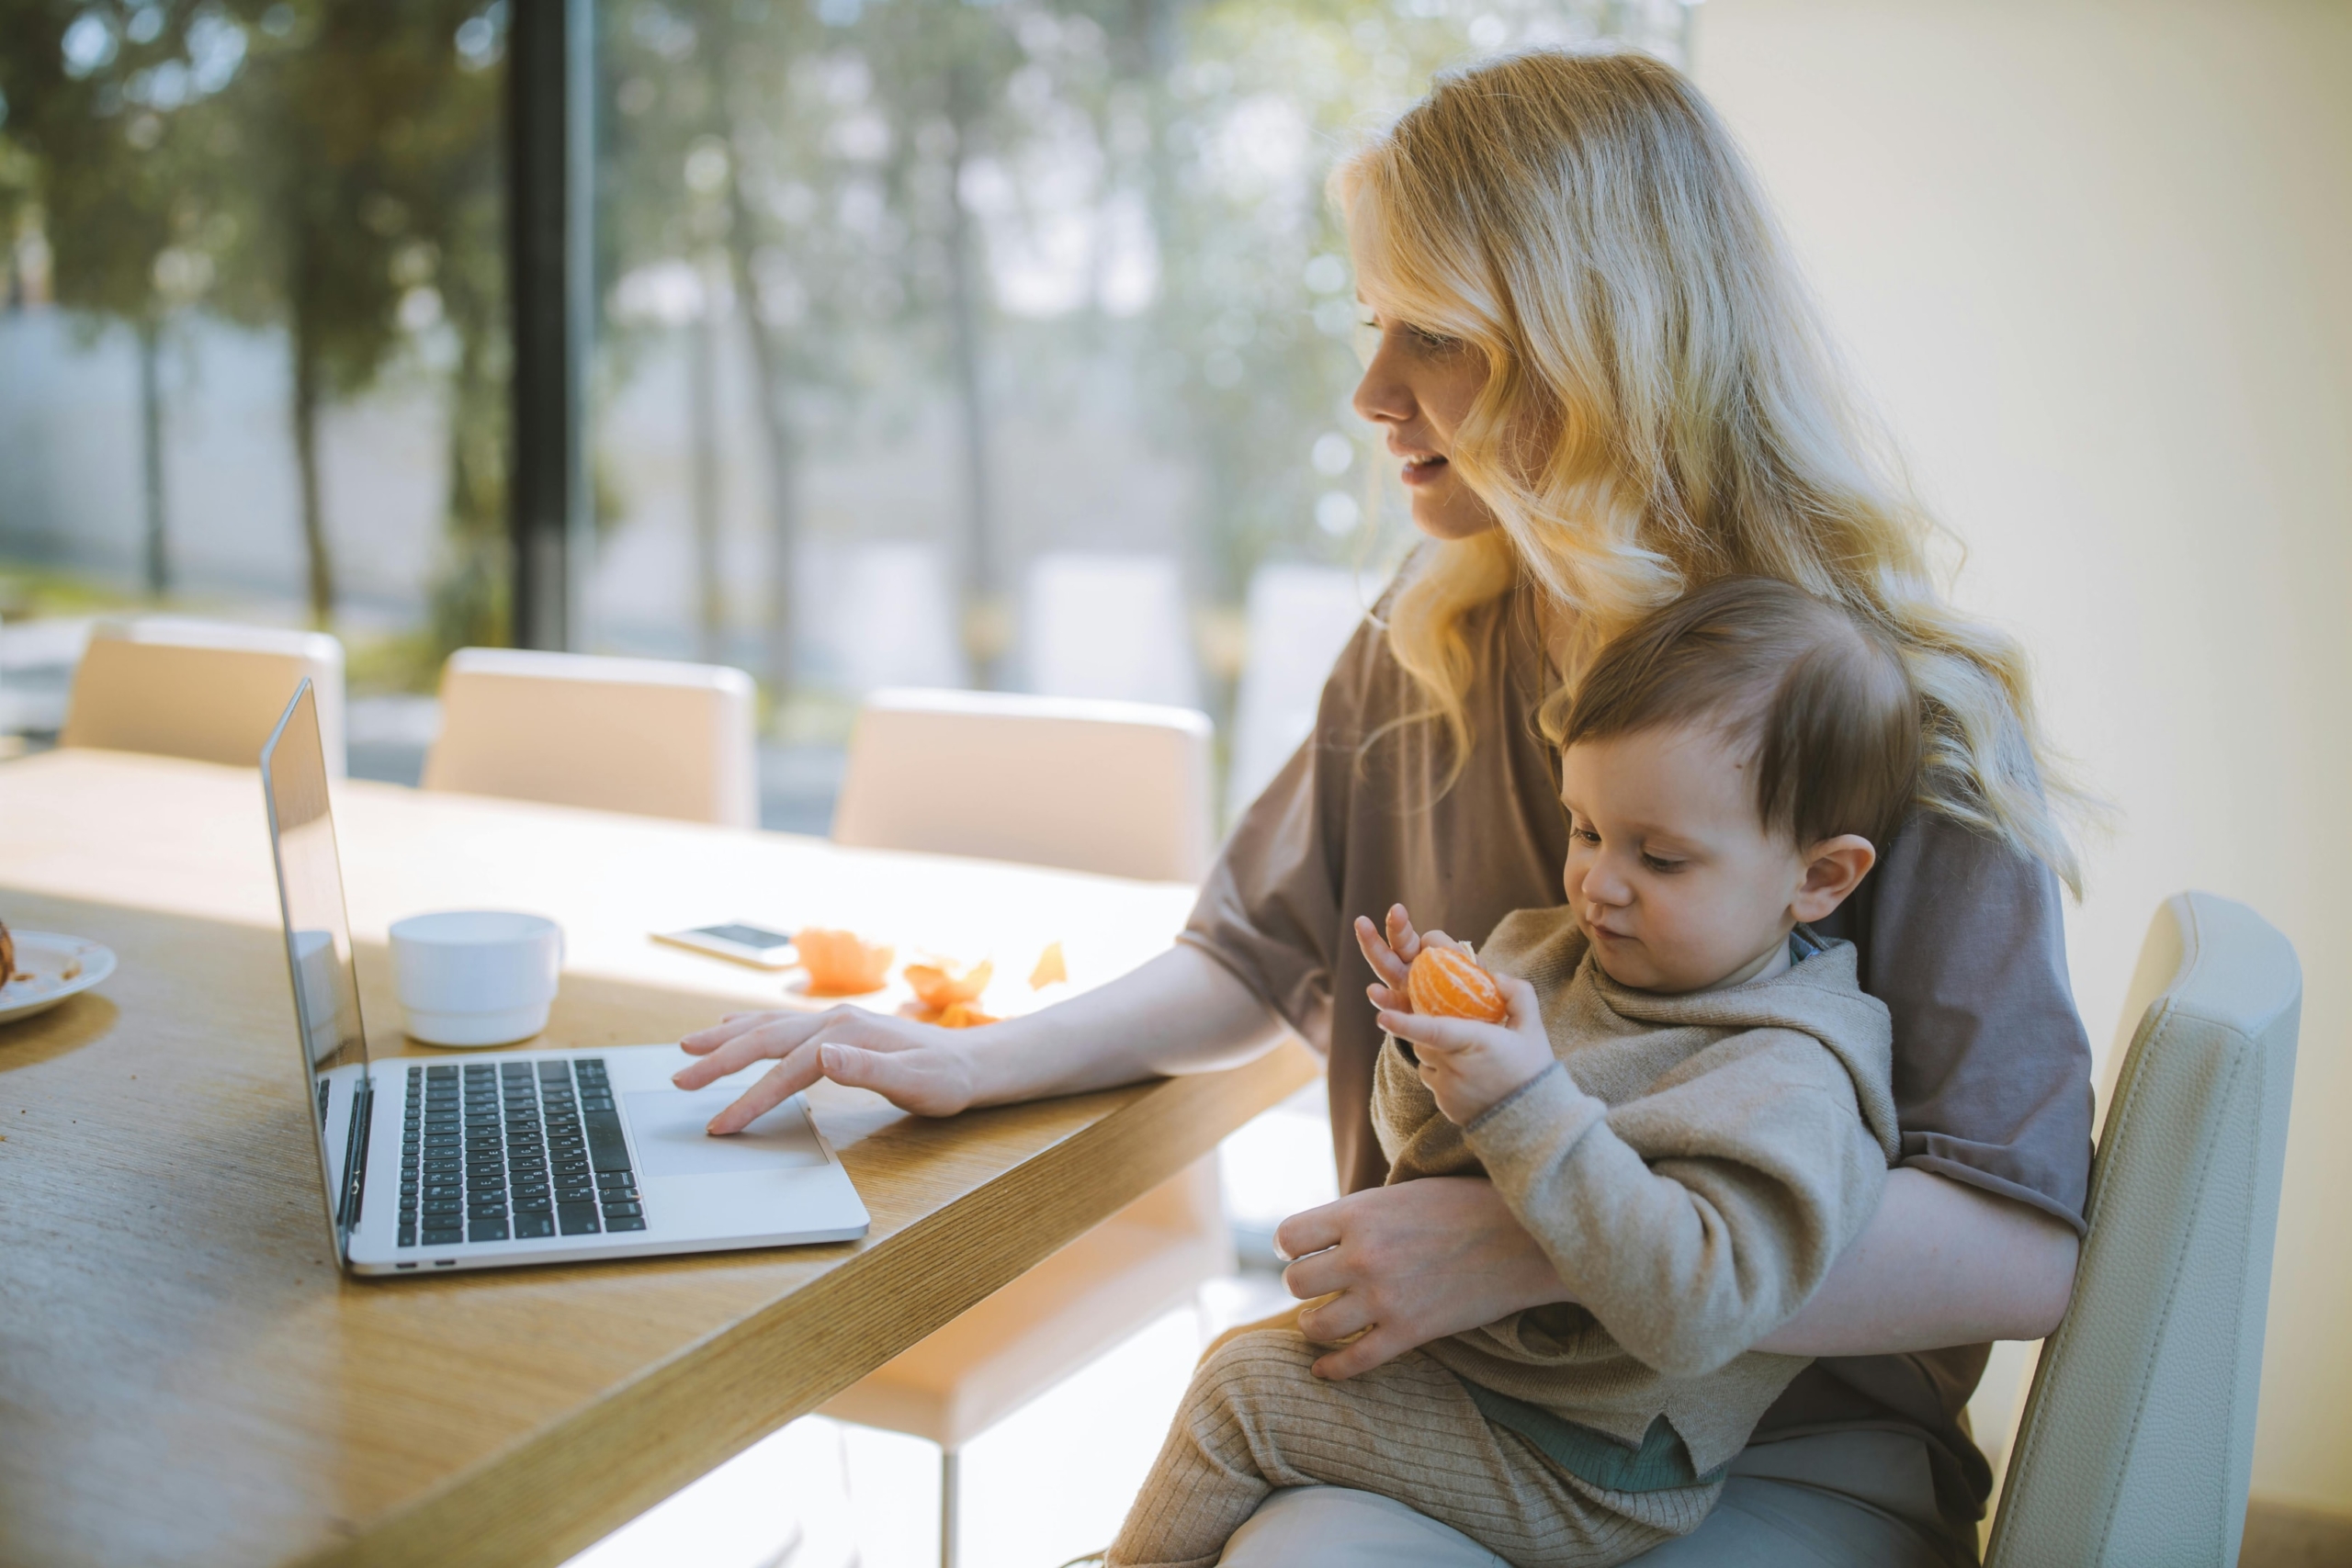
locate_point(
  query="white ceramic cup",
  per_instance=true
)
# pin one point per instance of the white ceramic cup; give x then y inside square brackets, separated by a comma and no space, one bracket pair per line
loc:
[476,977]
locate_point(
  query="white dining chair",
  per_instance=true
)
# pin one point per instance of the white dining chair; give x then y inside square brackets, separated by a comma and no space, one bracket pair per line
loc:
[210,690]
[2137,1442]
[646,736]
[1119,788]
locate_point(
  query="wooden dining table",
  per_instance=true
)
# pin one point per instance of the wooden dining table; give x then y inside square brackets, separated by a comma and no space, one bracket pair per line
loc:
[187,1376]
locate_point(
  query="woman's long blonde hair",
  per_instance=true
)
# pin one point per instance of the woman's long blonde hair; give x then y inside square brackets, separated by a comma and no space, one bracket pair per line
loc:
[1586,222]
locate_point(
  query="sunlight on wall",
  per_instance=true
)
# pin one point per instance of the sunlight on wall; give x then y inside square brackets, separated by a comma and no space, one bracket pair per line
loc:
[2090,261]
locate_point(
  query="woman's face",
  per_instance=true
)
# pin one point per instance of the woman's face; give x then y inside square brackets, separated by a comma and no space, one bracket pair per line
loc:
[1418,388]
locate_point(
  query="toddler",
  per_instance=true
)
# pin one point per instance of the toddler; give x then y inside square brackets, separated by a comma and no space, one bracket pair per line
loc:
[1687,1105]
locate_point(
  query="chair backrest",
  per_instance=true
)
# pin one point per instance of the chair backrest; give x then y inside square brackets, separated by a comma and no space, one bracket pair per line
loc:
[207,690]
[1121,788]
[646,736]
[2137,1439]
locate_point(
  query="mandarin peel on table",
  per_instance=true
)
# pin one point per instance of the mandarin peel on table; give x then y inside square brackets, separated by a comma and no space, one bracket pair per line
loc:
[944,985]
[1443,983]
[1050,967]
[963,1015]
[841,963]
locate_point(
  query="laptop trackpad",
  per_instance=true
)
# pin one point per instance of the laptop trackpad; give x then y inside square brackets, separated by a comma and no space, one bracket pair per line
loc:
[668,1126]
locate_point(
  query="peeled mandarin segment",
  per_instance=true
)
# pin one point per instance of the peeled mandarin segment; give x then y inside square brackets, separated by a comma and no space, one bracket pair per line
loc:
[944,985]
[841,963]
[1447,984]
[963,1015]
[1049,969]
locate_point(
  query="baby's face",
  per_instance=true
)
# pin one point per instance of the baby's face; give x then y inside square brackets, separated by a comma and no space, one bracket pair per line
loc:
[1671,873]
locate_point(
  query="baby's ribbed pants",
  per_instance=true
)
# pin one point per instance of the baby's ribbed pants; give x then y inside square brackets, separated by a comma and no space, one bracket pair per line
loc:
[1256,1417]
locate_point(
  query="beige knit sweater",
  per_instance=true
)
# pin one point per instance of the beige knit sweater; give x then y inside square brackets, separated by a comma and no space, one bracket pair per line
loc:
[1692,1167]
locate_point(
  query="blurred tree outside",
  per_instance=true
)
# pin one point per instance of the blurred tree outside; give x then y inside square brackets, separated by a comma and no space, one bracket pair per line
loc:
[120,152]
[330,167]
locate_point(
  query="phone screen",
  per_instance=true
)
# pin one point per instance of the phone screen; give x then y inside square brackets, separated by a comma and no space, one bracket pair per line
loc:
[744,936]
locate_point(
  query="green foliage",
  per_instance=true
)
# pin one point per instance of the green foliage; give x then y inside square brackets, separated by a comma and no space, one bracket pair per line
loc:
[328,166]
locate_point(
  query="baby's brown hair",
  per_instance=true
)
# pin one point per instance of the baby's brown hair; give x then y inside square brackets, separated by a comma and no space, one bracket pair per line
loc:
[1817,696]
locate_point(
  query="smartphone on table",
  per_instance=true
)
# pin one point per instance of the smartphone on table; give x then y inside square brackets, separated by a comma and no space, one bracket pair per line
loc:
[739,940]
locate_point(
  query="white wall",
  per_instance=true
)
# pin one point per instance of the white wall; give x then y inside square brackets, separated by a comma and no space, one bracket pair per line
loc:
[2095,261]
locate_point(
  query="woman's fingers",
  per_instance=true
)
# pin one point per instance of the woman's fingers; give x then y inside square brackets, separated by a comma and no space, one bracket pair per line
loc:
[775,1034]
[1335,1318]
[1379,1346]
[1309,1230]
[766,1034]
[927,1082]
[914,1066]
[796,1073]
[1383,999]
[728,1028]
[1319,1274]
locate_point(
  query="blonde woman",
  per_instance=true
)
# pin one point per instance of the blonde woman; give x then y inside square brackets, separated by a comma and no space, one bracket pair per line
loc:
[1604,384]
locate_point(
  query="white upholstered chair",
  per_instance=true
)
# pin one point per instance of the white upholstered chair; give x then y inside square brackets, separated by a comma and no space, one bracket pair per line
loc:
[647,736]
[1112,787]
[208,690]
[1120,788]
[2137,1441]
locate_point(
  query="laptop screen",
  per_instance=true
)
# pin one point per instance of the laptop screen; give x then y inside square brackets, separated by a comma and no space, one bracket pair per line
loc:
[318,953]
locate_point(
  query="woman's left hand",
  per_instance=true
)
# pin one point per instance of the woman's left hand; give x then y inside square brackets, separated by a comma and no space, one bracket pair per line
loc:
[1408,1264]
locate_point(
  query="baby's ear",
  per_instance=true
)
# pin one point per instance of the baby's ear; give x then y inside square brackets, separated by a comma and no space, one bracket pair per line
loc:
[1833,869]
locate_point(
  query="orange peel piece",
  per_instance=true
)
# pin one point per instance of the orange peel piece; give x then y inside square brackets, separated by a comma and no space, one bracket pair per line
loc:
[963,1015]
[1443,983]
[944,985]
[841,963]
[1050,967]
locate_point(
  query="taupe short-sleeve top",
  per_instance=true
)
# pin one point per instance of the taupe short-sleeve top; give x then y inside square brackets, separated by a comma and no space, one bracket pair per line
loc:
[1958,934]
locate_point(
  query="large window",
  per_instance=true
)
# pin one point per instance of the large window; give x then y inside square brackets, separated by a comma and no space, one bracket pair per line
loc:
[253,354]
[937,342]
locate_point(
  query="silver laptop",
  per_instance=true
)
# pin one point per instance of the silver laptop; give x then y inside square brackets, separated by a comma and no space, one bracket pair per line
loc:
[482,1160]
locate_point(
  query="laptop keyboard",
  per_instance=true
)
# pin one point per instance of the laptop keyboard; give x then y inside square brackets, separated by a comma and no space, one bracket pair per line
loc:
[497,1150]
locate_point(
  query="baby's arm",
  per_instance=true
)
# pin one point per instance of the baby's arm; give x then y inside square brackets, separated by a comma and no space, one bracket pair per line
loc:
[1693,1221]
[1468,1065]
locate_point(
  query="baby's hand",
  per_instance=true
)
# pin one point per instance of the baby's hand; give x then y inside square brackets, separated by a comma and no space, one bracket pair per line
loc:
[1392,958]
[1468,1065]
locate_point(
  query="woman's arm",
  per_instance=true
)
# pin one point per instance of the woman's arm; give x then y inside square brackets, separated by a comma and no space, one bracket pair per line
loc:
[1938,1264]
[1182,1012]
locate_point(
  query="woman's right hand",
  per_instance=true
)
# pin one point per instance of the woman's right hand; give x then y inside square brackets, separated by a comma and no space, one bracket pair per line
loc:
[1182,1012]
[1408,1264]
[917,1067]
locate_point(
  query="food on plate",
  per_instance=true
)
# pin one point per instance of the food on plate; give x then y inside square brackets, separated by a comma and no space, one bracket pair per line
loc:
[1447,983]
[8,955]
[841,963]
[1049,969]
[943,985]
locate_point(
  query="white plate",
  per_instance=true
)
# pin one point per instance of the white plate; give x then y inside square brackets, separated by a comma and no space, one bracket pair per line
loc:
[58,967]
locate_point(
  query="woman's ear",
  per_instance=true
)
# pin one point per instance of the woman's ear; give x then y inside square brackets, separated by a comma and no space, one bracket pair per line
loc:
[1833,869]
